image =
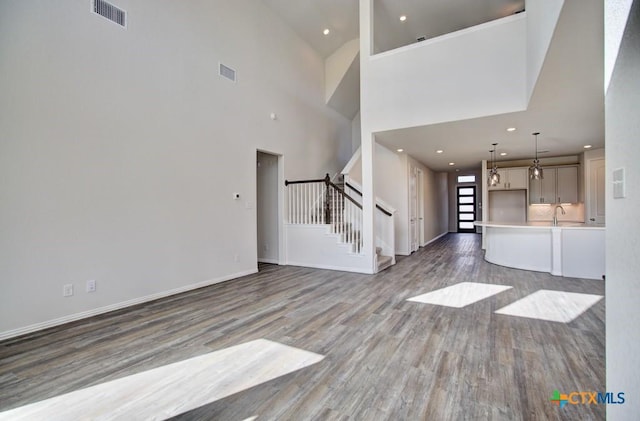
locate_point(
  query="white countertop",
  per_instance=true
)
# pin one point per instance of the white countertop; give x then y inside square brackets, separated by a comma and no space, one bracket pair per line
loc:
[540,225]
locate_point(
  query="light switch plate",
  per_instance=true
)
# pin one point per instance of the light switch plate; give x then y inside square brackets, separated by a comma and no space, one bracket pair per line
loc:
[618,184]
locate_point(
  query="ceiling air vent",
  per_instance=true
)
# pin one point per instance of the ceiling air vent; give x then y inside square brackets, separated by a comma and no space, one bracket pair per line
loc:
[110,12]
[227,72]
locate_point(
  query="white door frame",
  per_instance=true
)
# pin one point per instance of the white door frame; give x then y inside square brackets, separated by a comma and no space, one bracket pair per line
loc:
[420,199]
[281,197]
[413,209]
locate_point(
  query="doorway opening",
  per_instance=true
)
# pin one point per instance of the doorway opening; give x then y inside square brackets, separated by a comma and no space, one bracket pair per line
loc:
[466,208]
[268,208]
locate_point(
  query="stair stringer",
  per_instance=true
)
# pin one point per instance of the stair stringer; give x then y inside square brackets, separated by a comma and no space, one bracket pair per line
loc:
[316,246]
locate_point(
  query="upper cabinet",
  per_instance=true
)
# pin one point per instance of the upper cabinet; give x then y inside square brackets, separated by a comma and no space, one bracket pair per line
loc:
[567,185]
[559,185]
[511,179]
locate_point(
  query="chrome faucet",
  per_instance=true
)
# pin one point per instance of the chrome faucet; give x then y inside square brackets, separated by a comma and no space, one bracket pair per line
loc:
[555,214]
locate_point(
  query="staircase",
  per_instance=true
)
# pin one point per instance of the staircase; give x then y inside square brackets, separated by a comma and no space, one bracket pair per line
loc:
[382,262]
[325,228]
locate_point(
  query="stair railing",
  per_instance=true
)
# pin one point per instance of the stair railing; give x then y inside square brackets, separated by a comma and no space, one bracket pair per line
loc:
[384,225]
[320,201]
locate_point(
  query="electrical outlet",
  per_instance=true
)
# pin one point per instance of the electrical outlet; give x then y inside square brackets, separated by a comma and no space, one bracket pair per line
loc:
[67,290]
[91,286]
[235,257]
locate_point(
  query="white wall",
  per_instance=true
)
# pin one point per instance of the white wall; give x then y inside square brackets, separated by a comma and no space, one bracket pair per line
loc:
[392,186]
[435,202]
[542,18]
[471,73]
[623,226]
[337,64]
[121,148]
[267,207]
[355,133]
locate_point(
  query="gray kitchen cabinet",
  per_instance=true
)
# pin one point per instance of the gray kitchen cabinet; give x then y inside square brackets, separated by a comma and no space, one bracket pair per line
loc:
[559,185]
[511,179]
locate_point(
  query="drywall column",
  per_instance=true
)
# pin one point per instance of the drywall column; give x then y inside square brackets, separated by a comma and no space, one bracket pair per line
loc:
[485,202]
[622,287]
[368,196]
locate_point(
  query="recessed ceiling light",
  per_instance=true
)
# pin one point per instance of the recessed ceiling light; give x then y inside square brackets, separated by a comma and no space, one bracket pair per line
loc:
[503,154]
[326,31]
[403,18]
[452,163]
[439,151]
[588,146]
[511,129]
[400,150]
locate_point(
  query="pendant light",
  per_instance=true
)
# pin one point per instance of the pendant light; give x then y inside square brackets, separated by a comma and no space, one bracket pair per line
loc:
[535,171]
[494,176]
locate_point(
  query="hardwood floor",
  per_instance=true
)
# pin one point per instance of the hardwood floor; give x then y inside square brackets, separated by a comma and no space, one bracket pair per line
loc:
[385,357]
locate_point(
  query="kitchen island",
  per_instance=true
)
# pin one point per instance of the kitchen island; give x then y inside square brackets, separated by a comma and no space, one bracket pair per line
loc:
[568,249]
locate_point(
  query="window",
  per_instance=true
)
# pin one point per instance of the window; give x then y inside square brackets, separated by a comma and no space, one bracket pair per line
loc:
[466,179]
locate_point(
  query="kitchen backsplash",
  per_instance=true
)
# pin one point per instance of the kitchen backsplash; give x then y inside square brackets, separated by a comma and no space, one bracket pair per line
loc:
[574,212]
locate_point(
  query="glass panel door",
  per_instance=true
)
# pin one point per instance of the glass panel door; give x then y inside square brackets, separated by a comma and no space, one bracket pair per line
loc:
[466,209]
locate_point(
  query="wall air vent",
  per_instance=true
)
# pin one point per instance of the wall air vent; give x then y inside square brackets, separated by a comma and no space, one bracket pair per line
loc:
[110,12]
[227,72]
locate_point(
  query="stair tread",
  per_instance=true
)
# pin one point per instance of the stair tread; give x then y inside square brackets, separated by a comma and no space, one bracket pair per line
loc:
[384,262]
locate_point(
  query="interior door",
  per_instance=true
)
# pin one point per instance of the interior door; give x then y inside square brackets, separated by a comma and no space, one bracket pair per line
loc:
[596,191]
[413,209]
[420,208]
[466,208]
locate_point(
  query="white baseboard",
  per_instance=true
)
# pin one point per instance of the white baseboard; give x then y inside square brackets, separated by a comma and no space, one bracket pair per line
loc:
[329,267]
[435,238]
[268,260]
[90,313]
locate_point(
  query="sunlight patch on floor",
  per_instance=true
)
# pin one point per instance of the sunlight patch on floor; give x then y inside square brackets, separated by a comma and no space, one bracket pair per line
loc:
[460,295]
[554,306]
[173,389]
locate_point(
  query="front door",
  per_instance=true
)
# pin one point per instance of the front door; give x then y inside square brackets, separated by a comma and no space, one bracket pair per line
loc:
[466,209]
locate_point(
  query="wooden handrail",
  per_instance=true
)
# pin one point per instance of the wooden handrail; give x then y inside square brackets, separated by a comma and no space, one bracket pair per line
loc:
[287,182]
[345,195]
[380,208]
[327,181]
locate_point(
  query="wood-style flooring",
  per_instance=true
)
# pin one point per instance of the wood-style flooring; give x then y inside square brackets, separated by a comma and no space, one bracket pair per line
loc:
[386,358]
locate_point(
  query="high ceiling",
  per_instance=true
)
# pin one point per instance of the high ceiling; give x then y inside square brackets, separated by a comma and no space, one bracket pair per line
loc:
[428,19]
[567,106]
